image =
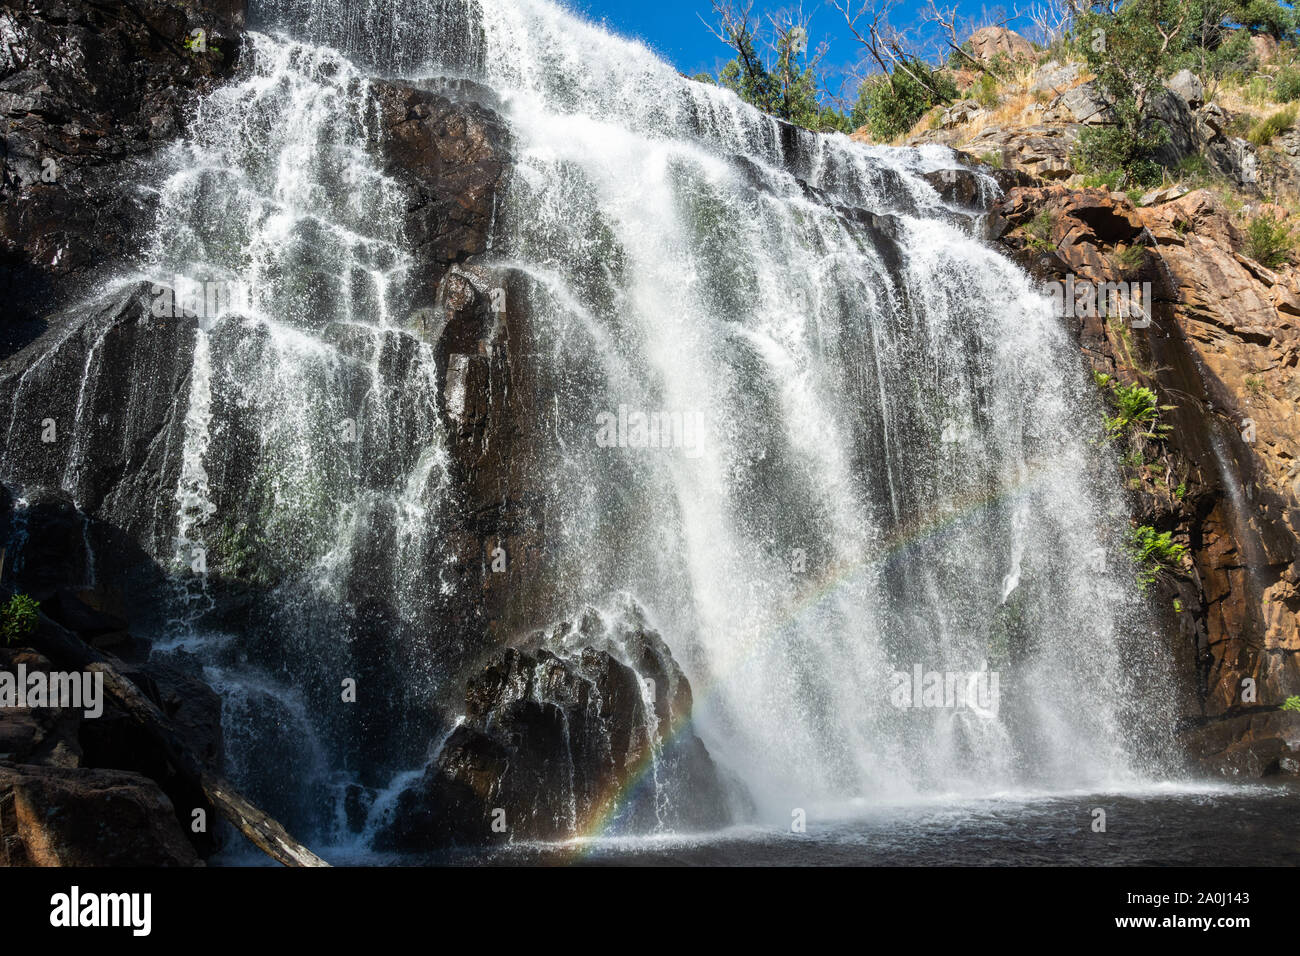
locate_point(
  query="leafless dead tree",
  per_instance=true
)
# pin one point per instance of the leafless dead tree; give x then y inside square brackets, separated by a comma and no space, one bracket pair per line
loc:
[1051,20]
[886,46]
[945,19]
[732,26]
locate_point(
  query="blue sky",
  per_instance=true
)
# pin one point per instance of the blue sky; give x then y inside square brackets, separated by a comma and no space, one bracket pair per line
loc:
[673,27]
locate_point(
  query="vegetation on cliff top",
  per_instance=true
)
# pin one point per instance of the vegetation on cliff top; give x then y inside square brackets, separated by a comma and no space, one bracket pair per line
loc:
[1243,52]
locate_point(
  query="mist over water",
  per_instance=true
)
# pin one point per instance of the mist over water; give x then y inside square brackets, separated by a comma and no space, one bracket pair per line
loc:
[897,466]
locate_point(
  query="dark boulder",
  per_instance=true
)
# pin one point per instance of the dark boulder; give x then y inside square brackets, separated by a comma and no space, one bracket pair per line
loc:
[591,735]
[53,816]
[1247,746]
[44,736]
[960,186]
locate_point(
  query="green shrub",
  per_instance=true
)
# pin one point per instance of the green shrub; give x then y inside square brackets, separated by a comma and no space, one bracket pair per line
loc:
[1239,126]
[1039,231]
[986,92]
[18,619]
[1114,151]
[1258,90]
[1266,130]
[1268,241]
[1286,85]
[1194,171]
[1107,181]
[890,106]
[1129,69]
[1131,258]
[1153,552]
[1292,703]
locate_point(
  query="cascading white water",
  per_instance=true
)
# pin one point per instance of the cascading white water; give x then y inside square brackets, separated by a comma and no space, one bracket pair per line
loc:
[895,470]
[312,453]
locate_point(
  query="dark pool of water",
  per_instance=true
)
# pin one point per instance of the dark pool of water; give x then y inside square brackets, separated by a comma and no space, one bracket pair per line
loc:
[1213,825]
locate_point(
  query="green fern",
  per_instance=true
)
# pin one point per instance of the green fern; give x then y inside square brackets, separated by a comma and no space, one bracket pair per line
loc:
[1153,552]
[1136,407]
[18,619]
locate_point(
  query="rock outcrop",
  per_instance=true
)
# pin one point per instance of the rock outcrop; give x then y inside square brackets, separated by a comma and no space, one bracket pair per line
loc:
[1222,348]
[988,43]
[55,816]
[581,730]
[1057,102]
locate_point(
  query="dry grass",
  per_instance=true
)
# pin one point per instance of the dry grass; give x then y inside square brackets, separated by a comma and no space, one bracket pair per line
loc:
[1017,107]
[1239,98]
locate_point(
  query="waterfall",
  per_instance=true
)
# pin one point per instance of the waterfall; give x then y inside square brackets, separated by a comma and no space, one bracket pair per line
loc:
[898,468]
[312,451]
[874,455]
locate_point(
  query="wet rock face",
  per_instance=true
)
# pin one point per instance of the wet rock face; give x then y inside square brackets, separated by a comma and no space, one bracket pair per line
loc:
[97,396]
[87,91]
[1223,347]
[51,816]
[451,154]
[587,731]
[1249,745]
[113,442]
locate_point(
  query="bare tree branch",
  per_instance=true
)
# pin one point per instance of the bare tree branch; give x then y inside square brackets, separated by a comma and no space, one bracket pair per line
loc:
[1051,19]
[883,43]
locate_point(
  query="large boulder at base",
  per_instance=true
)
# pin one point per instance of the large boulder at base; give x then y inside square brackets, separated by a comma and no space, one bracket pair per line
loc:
[37,735]
[53,816]
[582,729]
